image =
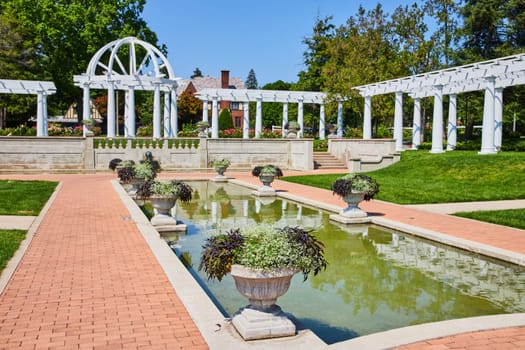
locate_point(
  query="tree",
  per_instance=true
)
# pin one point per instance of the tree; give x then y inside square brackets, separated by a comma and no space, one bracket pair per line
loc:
[225,120]
[316,55]
[251,80]
[446,14]
[196,73]
[65,35]
[483,22]
[273,111]
[189,108]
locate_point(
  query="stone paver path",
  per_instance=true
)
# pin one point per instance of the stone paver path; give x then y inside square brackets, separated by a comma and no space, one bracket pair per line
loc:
[89,281]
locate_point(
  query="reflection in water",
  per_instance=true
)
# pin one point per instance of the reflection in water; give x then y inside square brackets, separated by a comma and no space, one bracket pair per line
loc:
[376,279]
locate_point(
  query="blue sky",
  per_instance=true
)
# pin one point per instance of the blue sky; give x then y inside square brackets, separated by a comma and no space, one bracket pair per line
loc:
[239,35]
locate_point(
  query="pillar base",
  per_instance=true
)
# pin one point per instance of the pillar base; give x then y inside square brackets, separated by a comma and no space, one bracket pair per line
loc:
[254,324]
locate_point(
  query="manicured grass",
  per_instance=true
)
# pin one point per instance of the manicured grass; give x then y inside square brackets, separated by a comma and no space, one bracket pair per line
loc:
[24,197]
[512,218]
[9,243]
[458,176]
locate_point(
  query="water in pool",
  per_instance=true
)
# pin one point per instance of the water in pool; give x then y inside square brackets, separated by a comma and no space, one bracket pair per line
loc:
[377,279]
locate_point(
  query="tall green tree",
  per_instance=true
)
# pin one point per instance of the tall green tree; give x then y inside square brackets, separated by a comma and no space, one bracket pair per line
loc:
[316,55]
[196,73]
[445,12]
[482,30]
[251,80]
[66,34]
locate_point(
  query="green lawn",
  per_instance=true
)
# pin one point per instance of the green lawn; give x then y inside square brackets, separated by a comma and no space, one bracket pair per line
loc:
[459,176]
[512,218]
[24,197]
[9,242]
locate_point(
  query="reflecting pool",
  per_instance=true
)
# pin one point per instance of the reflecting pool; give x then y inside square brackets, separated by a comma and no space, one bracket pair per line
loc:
[377,279]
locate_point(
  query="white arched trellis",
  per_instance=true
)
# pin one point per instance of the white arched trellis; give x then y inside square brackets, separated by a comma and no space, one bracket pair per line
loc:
[108,70]
[32,87]
[260,96]
[492,76]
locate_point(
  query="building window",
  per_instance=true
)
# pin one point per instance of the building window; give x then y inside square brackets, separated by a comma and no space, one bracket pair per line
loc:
[237,122]
[234,106]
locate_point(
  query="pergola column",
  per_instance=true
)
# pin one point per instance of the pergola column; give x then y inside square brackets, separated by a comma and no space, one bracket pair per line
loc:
[130,112]
[339,119]
[487,135]
[498,118]
[452,128]
[167,123]
[246,121]
[86,108]
[322,122]
[416,124]
[205,110]
[40,131]
[285,118]
[437,121]
[156,111]
[111,110]
[44,112]
[398,121]
[258,118]
[174,122]
[214,117]
[367,119]
[300,118]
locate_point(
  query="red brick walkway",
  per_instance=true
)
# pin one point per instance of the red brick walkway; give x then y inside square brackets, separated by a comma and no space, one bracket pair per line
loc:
[90,281]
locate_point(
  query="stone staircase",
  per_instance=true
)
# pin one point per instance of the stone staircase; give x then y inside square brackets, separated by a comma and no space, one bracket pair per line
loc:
[324,160]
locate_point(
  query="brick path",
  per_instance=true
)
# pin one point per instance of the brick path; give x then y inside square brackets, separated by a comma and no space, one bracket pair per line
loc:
[89,281]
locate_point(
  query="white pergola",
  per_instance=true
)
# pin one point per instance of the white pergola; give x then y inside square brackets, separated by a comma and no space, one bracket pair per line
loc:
[492,76]
[32,87]
[107,71]
[260,96]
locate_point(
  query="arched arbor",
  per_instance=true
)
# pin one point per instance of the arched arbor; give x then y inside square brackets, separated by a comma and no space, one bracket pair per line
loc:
[32,87]
[131,64]
[260,96]
[492,76]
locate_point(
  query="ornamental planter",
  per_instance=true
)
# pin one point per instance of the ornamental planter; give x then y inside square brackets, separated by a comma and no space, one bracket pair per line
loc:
[262,318]
[162,206]
[220,174]
[135,183]
[353,211]
[262,287]
[266,189]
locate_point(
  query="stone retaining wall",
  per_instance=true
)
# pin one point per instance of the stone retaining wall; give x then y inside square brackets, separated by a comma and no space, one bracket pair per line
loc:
[94,154]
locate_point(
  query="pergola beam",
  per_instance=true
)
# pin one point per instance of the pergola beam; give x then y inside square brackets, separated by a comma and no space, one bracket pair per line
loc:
[238,95]
[450,76]
[27,87]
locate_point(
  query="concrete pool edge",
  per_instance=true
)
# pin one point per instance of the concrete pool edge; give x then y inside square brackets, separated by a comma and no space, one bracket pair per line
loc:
[206,315]
[216,330]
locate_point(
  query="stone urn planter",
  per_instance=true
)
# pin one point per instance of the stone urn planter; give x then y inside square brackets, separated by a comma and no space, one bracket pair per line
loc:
[202,126]
[163,196]
[220,167]
[262,287]
[266,174]
[262,260]
[162,206]
[263,318]
[352,210]
[135,183]
[353,189]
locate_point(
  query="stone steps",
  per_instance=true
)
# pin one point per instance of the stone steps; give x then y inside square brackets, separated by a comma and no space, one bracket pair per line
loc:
[324,160]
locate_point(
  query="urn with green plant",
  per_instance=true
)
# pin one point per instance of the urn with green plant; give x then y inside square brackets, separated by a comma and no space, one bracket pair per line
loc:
[353,189]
